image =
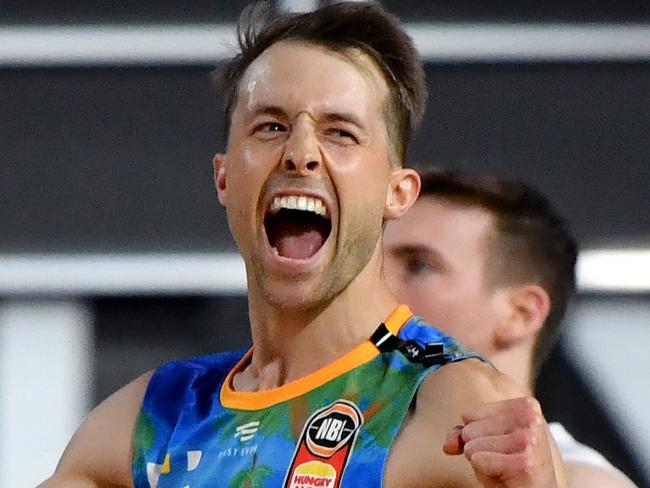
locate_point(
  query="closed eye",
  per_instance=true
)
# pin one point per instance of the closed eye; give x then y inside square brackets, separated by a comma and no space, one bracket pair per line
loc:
[342,135]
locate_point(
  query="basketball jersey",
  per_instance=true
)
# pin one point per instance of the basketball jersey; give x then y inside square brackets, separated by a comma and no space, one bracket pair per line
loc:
[332,428]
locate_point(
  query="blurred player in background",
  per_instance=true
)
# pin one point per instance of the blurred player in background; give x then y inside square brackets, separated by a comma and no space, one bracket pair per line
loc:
[488,261]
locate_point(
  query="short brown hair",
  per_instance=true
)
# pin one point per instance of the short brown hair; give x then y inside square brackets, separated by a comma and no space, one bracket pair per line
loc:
[531,242]
[345,27]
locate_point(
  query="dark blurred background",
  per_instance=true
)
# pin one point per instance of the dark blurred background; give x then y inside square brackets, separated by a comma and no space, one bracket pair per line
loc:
[109,123]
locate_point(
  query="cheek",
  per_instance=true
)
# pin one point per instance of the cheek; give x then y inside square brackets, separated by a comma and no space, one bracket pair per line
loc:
[442,310]
[247,173]
[366,165]
[253,161]
[243,195]
[416,296]
[392,273]
[361,206]
[395,284]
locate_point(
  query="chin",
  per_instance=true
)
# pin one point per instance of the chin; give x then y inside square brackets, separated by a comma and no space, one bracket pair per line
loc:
[292,301]
[292,294]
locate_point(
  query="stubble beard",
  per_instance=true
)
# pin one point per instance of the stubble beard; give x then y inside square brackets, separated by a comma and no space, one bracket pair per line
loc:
[347,262]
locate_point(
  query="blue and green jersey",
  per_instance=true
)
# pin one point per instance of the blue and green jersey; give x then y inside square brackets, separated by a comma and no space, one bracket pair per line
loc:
[332,428]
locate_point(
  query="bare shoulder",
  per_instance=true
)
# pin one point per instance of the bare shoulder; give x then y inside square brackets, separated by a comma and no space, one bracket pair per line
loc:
[99,453]
[467,383]
[586,475]
[417,458]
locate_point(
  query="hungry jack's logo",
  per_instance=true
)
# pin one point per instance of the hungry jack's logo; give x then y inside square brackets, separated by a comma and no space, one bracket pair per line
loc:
[325,446]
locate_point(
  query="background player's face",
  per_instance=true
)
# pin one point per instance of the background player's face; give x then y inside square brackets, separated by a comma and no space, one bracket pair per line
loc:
[435,261]
[308,123]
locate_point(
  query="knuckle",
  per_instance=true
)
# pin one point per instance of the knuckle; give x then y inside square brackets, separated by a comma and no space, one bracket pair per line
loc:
[469,456]
[478,461]
[470,449]
[528,468]
[531,413]
[525,464]
[533,406]
[525,438]
[532,403]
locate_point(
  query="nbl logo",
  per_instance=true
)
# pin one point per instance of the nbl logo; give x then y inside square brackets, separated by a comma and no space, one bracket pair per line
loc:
[332,428]
[325,447]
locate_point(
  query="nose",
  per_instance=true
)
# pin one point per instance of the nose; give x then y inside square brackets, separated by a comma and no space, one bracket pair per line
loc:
[302,152]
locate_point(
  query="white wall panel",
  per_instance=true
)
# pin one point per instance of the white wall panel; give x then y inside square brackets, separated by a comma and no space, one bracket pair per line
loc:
[610,340]
[44,385]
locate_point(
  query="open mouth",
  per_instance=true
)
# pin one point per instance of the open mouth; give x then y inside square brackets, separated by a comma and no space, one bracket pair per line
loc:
[297,226]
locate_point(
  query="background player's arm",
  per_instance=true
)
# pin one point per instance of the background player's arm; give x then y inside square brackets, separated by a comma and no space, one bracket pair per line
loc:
[99,454]
[473,394]
[584,475]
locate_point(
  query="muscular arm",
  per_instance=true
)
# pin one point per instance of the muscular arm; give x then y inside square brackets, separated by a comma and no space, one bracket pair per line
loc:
[447,398]
[99,454]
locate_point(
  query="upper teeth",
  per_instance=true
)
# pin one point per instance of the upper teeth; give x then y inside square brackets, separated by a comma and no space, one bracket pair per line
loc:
[310,204]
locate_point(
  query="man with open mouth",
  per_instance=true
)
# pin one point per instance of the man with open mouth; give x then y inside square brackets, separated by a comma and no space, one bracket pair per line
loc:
[342,387]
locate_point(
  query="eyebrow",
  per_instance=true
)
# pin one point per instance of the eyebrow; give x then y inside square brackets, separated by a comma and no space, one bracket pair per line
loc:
[268,110]
[410,249]
[405,250]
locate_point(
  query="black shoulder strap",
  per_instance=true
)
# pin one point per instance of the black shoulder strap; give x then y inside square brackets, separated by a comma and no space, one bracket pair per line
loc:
[432,353]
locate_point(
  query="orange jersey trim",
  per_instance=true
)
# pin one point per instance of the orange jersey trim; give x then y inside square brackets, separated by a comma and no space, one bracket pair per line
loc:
[256,400]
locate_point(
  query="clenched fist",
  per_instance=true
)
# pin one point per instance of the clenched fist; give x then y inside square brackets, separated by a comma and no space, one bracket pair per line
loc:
[506,443]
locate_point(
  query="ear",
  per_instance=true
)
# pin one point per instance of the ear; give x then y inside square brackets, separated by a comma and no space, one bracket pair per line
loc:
[219,164]
[403,190]
[525,308]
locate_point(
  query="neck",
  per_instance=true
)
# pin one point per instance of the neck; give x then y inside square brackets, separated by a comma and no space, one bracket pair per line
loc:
[516,362]
[290,344]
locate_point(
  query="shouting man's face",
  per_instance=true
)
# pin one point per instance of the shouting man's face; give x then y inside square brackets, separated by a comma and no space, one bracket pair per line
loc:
[307,171]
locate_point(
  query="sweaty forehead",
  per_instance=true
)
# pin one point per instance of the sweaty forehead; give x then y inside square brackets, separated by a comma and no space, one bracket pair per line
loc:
[303,73]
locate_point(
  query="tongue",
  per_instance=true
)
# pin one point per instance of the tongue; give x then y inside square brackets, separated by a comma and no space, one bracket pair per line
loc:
[298,240]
